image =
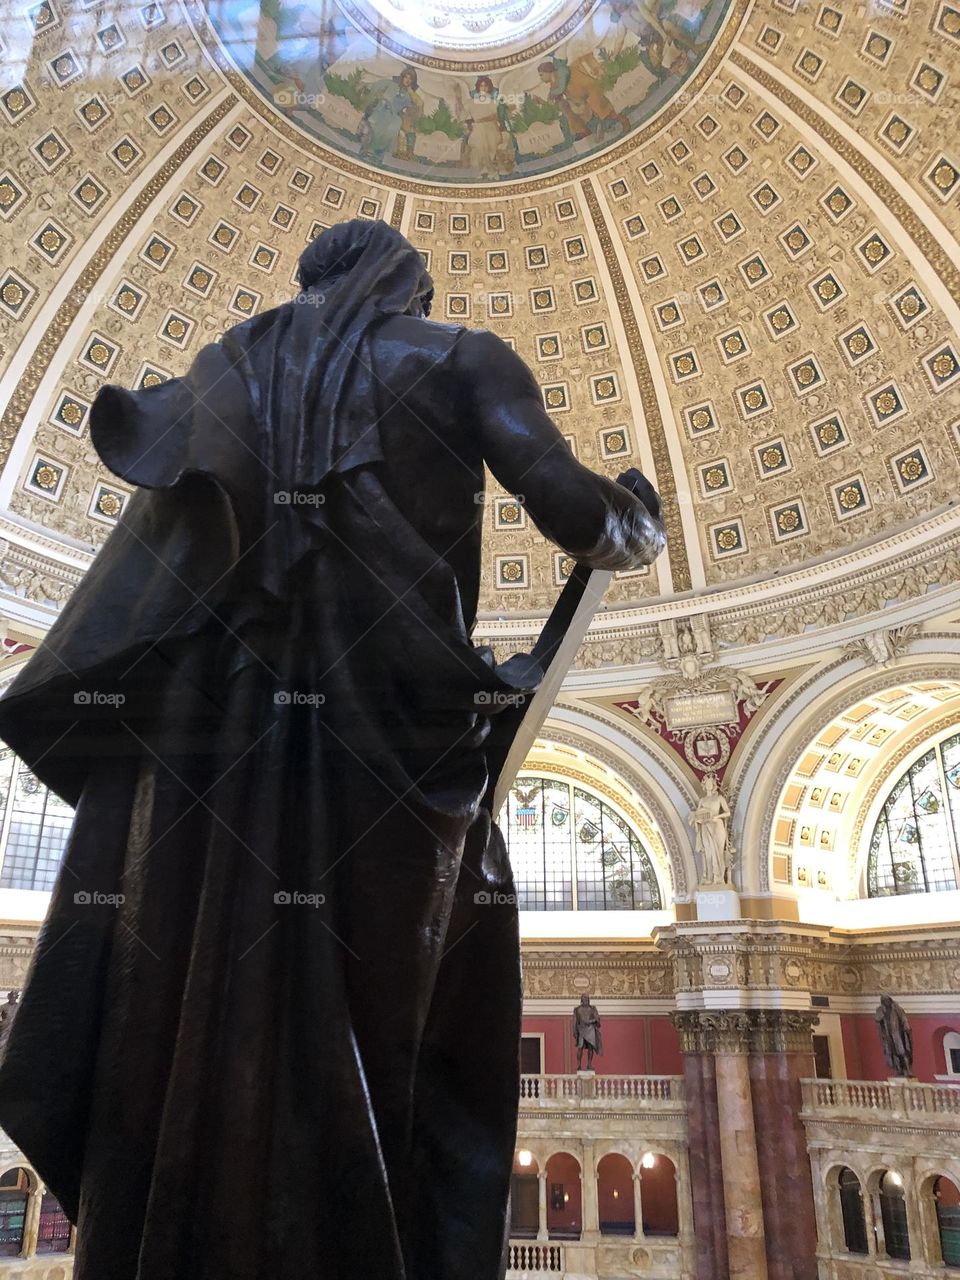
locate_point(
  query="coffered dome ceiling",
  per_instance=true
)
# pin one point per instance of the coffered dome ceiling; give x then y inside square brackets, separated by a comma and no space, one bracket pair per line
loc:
[722,234]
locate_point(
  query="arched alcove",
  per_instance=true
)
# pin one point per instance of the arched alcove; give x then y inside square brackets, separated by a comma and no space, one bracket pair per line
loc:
[615,1198]
[564,1197]
[524,1196]
[15,1187]
[658,1195]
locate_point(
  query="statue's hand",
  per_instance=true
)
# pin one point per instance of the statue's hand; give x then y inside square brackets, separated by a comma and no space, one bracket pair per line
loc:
[638,484]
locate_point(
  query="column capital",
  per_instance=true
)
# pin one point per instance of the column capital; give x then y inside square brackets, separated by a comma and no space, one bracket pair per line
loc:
[745,1030]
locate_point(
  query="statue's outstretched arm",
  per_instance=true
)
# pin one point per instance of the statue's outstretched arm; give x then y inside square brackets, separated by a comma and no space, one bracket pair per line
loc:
[599,522]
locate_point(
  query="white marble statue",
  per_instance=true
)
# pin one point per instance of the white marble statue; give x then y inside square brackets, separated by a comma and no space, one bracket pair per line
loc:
[710,821]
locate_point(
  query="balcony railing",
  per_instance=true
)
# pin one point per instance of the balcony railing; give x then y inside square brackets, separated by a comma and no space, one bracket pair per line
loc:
[535,1259]
[601,1093]
[882,1099]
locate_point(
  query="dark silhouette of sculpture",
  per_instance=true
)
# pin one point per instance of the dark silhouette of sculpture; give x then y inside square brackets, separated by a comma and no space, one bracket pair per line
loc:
[896,1038]
[586,1032]
[8,1013]
[271,1029]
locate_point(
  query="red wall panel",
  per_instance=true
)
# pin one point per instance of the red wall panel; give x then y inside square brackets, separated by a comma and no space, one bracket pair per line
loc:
[631,1045]
[864,1056]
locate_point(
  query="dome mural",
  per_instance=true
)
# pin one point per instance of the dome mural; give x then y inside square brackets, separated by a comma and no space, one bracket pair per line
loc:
[469,90]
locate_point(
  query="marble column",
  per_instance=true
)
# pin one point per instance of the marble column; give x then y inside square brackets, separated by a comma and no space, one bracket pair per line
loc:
[783,1056]
[31,1224]
[637,1206]
[706,1174]
[746,1248]
[542,1233]
[590,1201]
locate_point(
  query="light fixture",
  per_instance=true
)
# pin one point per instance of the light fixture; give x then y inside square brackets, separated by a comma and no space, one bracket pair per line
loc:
[894,1177]
[524,1158]
[648,1161]
[616,1194]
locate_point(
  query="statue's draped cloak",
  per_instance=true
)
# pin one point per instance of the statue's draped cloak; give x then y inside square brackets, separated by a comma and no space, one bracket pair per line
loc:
[220,1075]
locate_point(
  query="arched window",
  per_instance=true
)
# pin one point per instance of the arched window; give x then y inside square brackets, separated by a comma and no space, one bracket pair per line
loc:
[893,1213]
[946,1197]
[916,838]
[851,1212]
[54,1232]
[571,851]
[35,827]
[14,1193]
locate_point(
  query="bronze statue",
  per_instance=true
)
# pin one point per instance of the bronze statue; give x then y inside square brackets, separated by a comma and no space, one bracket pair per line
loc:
[8,1013]
[586,1032]
[896,1037]
[271,1029]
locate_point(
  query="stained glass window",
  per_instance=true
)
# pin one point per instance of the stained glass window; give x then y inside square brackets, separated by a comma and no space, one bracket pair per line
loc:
[915,841]
[572,851]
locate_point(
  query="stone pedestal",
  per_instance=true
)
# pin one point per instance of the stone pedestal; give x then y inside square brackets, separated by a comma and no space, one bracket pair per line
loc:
[717,902]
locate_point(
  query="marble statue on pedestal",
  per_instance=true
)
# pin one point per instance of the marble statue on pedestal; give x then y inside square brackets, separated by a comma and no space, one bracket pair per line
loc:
[896,1038]
[710,820]
[271,1029]
[586,1032]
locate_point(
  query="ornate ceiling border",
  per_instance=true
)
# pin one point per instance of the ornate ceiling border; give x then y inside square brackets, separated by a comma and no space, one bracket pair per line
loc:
[493,63]
[19,403]
[684,99]
[725,608]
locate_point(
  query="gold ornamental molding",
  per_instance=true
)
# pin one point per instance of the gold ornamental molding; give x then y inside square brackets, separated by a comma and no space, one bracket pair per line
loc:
[27,385]
[396,213]
[683,99]
[653,420]
[900,209]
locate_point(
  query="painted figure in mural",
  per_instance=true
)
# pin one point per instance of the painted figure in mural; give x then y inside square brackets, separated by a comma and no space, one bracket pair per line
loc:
[390,119]
[489,147]
[272,1024]
[710,820]
[574,87]
[896,1038]
[586,1032]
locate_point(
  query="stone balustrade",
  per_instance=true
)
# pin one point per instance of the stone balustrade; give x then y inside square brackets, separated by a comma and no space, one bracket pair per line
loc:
[526,1259]
[601,1092]
[880,1100]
